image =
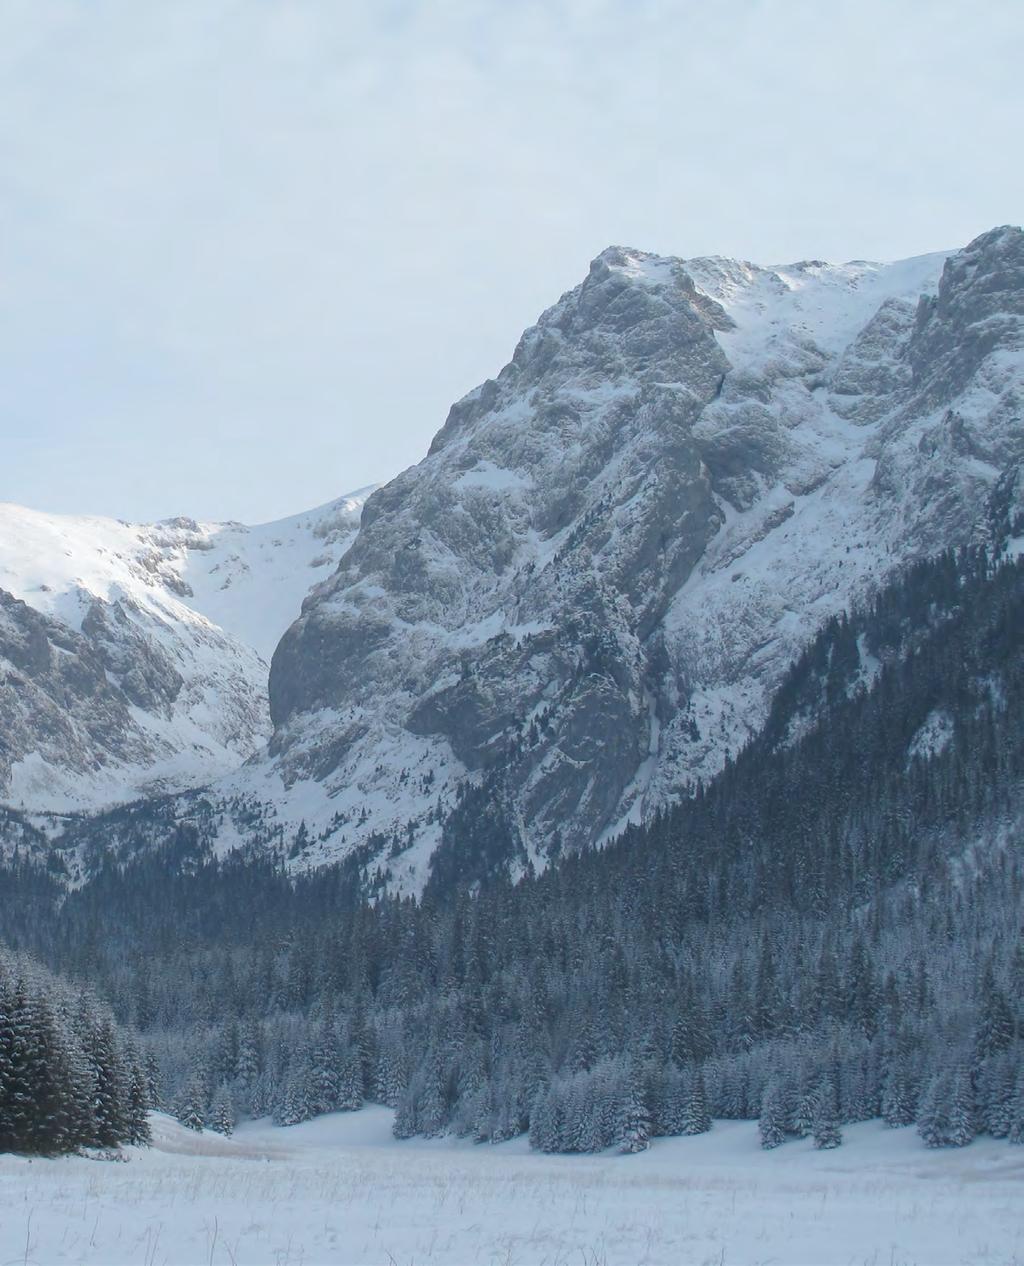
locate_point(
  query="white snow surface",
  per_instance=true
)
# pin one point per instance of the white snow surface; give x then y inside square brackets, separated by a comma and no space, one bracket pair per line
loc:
[213,597]
[339,1190]
[247,581]
[777,309]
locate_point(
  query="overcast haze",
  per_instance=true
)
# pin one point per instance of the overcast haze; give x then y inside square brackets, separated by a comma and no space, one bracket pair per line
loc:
[251,251]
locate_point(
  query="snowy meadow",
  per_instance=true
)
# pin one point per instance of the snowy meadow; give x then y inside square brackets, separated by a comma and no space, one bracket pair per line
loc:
[339,1189]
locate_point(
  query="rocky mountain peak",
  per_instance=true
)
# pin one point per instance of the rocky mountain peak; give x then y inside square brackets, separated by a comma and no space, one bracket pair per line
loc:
[586,590]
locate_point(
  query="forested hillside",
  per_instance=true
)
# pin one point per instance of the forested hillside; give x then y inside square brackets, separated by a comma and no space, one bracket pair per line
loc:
[827,932]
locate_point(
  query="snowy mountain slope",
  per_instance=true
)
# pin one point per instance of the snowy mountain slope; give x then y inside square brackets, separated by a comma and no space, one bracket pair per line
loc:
[587,590]
[134,657]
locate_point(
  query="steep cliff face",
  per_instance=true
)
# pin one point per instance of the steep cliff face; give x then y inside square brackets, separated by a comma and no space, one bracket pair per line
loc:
[133,657]
[588,588]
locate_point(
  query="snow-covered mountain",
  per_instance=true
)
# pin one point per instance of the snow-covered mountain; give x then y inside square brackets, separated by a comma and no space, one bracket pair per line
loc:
[581,599]
[588,589]
[133,657]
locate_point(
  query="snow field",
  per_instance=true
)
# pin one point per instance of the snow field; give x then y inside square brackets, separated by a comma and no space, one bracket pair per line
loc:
[210,600]
[339,1190]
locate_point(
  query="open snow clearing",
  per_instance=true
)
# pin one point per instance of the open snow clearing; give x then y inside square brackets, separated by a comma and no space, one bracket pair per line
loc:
[339,1189]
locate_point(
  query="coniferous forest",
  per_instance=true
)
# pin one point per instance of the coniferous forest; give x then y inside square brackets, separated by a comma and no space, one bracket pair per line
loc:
[68,1077]
[828,932]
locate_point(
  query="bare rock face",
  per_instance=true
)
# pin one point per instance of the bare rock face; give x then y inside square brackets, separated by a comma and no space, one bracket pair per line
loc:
[521,569]
[588,588]
[977,312]
[55,697]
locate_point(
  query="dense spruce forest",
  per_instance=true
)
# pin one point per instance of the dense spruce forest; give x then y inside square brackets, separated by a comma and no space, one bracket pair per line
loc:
[68,1077]
[830,931]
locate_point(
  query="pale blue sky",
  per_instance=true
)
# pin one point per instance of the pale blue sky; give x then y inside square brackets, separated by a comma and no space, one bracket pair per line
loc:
[251,250]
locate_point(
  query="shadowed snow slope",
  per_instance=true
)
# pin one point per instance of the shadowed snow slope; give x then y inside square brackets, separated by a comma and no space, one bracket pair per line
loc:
[134,657]
[588,589]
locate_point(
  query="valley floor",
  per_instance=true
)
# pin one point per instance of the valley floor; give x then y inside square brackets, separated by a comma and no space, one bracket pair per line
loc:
[340,1190]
